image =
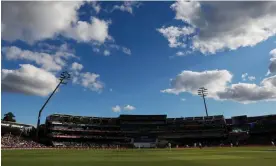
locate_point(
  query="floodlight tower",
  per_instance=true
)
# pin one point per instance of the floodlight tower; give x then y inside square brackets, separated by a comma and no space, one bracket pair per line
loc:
[203,92]
[63,78]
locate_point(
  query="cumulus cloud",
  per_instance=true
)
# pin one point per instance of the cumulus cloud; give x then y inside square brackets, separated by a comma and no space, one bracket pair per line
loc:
[120,48]
[180,53]
[34,21]
[251,78]
[126,50]
[106,53]
[76,66]
[176,35]
[96,6]
[273,53]
[29,80]
[129,108]
[49,62]
[190,81]
[96,50]
[224,25]
[247,93]
[245,77]
[186,11]
[89,81]
[272,66]
[127,6]
[83,31]
[116,109]
[218,83]
[49,48]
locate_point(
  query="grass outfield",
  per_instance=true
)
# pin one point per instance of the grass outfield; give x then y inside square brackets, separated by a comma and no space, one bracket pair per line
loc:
[241,156]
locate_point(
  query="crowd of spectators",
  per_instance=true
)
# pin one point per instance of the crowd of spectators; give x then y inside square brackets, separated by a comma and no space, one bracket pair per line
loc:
[88,145]
[64,135]
[12,141]
[86,129]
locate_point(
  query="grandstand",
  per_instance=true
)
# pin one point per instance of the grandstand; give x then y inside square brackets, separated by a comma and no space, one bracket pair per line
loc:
[146,131]
[16,128]
[68,130]
[17,135]
[151,131]
[135,130]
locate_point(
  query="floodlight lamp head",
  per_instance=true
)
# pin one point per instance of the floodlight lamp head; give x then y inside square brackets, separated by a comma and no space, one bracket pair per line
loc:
[202,91]
[64,77]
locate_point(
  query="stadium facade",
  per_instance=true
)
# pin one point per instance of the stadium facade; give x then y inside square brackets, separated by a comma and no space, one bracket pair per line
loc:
[151,131]
[16,128]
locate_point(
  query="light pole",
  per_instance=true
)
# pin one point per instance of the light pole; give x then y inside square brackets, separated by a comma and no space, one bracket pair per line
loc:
[64,77]
[203,92]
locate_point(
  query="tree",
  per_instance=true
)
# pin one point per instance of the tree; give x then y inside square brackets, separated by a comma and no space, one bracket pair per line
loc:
[9,117]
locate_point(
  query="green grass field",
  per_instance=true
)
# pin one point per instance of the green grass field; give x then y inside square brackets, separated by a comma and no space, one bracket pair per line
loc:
[241,156]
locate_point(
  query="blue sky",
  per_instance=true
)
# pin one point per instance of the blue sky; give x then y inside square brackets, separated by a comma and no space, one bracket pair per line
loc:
[130,58]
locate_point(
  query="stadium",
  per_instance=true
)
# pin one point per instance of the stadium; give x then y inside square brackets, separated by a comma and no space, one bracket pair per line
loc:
[130,83]
[156,138]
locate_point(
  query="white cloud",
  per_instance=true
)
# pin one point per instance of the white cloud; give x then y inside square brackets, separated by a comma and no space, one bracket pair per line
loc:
[183,99]
[247,93]
[186,11]
[129,108]
[273,53]
[76,66]
[116,108]
[115,46]
[190,81]
[121,48]
[88,80]
[251,78]
[175,35]
[225,25]
[126,50]
[33,21]
[127,6]
[106,53]
[49,62]
[244,75]
[83,31]
[272,66]
[29,80]
[179,53]
[218,84]
[96,50]
[96,6]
